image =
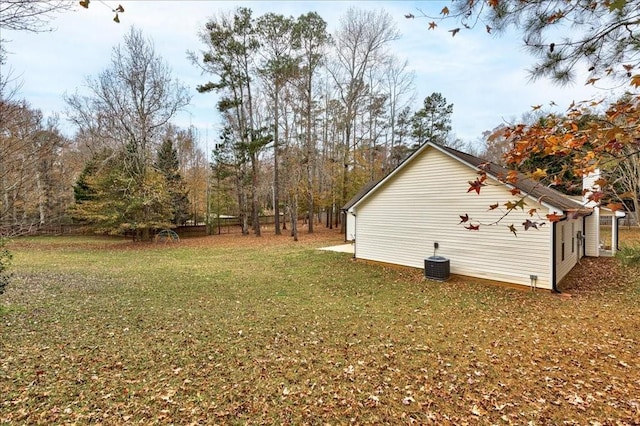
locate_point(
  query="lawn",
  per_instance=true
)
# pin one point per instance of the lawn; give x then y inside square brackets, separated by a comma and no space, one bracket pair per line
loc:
[245,330]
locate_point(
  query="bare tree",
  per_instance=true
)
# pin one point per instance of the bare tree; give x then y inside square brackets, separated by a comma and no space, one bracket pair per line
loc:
[399,88]
[30,15]
[360,43]
[34,190]
[626,176]
[130,103]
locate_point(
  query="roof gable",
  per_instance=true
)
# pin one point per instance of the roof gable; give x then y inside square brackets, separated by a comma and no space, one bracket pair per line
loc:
[531,188]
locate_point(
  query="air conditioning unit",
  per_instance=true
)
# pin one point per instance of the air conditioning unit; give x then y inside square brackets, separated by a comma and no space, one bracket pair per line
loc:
[436,268]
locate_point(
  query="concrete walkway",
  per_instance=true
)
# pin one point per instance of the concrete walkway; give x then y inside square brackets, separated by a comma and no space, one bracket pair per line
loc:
[342,248]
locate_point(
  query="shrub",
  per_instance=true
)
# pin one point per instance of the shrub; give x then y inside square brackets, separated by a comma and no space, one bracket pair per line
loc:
[629,255]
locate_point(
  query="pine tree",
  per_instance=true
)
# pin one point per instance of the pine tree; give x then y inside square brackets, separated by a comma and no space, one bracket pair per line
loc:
[432,123]
[168,165]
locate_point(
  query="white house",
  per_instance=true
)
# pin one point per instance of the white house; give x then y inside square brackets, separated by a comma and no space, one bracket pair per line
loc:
[399,218]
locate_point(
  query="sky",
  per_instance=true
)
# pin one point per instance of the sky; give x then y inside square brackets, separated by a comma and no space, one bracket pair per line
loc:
[483,75]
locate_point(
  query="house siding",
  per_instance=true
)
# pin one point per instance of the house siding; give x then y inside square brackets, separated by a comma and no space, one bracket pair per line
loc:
[350,234]
[592,234]
[421,205]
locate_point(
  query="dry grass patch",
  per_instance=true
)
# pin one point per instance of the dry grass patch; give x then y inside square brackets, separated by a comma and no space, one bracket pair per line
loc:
[246,330]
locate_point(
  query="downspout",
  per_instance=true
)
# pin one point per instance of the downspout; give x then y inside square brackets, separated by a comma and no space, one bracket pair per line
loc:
[554,252]
[584,238]
[554,287]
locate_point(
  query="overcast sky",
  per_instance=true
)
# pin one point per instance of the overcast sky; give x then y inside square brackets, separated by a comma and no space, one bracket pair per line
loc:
[482,75]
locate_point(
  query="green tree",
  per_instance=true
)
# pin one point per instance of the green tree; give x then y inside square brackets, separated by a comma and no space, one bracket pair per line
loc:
[128,109]
[432,123]
[114,204]
[311,39]
[232,45]
[167,163]
[277,68]
[83,190]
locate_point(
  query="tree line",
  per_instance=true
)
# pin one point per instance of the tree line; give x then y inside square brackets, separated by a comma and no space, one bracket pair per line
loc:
[307,118]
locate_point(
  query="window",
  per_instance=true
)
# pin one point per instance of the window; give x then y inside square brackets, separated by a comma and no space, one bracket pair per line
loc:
[573,238]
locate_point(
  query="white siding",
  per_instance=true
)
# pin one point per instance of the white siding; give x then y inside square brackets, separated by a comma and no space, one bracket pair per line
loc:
[592,234]
[421,204]
[566,232]
[351,226]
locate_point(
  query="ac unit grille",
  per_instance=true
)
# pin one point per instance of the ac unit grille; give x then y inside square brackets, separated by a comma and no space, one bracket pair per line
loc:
[436,268]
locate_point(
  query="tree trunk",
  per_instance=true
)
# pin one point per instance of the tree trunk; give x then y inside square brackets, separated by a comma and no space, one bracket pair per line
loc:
[294,217]
[276,177]
[255,208]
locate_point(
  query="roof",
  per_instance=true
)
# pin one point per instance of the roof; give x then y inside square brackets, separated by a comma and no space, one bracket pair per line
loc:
[363,191]
[534,189]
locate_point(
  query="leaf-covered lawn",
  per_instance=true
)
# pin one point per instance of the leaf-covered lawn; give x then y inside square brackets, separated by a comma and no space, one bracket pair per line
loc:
[241,330]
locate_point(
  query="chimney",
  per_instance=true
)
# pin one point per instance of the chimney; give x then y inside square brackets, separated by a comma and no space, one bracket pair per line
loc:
[589,186]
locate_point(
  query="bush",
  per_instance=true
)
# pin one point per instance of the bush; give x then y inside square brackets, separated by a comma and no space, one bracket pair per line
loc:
[629,255]
[5,261]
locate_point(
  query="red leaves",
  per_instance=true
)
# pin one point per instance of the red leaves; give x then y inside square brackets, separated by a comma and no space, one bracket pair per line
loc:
[601,182]
[553,217]
[478,183]
[615,206]
[512,177]
[464,218]
[596,196]
[475,186]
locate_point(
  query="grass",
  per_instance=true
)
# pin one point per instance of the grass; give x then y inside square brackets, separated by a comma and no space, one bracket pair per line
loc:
[240,330]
